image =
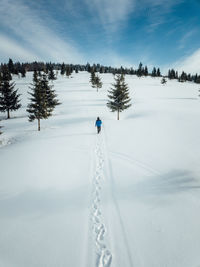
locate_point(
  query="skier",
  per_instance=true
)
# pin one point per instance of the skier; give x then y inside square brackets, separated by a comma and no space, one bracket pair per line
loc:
[98,124]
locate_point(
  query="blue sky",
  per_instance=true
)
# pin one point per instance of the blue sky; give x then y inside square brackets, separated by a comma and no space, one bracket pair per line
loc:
[162,33]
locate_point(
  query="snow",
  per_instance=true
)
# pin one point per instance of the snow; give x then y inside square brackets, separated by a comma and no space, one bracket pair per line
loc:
[127,197]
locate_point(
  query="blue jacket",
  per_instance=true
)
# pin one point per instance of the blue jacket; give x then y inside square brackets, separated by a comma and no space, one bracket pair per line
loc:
[98,123]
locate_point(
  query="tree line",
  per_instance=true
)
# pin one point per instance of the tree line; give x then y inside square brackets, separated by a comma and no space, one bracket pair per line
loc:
[67,69]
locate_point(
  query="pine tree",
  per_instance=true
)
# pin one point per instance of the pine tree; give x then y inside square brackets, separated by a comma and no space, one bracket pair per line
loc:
[97,82]
[51,75]
[140,70]
[11,66]
[158,74]
[68,71]
[5,73]
[23,71]
[183,77]
[171,74]
[62,71]
[119,96]
[35,76]
[198,79]
[9,98]
[88,67]
[154,73]
[92,78]
[94,68]
[163,81]
[43,100]
[146,71]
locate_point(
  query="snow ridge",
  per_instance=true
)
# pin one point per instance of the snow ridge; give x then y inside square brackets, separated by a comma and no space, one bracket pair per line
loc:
[103,255]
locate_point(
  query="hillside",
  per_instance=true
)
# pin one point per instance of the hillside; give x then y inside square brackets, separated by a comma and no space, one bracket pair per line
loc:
[127,197]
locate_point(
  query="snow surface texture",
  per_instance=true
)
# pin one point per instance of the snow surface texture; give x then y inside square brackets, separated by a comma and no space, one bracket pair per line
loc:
[126,197]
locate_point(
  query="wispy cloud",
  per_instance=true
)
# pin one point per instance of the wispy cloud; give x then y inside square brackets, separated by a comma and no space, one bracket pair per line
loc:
[185,38]
[12,49]
[33,32]
[157,11]
[189,64]
[111,13]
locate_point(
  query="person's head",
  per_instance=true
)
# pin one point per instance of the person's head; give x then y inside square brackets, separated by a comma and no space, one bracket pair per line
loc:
[98,118]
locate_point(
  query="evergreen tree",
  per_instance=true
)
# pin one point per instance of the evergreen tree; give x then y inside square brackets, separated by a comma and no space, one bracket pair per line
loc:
[195,78]
[140,70]
[51,75]
[23,71]
[183,77]
[43,100]
[5,73]
[92,78]
[94,68]
[131,71]
[97,82]
[171,74]
[158,74]
[198,79]
[9,98]
[35,76]
[51,97]
[88,67]
[11,66]
[68,71]
[154,72]
[62,71]
[163,81]
[119,99]
[146,71]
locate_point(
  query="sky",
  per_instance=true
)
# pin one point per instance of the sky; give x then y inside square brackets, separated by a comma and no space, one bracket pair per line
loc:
[160,33]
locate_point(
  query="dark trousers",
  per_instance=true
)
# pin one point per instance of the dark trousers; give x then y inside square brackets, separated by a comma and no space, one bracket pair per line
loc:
[98,129]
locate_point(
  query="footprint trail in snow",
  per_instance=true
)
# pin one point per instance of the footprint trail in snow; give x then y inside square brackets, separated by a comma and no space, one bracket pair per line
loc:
[103,255]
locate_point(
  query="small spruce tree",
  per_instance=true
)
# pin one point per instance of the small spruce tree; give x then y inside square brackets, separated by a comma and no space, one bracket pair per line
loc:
[92,78]
[97,82]
[43,100]
[62,71]
[51,75]
[9,98]
[68,71]
[146,71]
[163,81]
[11,67]
[119,99]
[154,73]
[140,70]
[158,73]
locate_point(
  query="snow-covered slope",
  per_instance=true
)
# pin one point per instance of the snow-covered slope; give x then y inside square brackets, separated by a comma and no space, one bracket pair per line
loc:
[127,197]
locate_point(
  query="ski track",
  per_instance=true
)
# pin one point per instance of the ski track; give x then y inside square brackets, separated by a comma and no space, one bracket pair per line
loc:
[142,165]
[118,212]
[103,255]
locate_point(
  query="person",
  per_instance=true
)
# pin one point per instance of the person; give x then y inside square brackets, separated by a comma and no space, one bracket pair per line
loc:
[98,124]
